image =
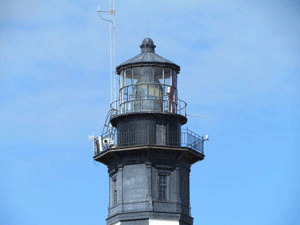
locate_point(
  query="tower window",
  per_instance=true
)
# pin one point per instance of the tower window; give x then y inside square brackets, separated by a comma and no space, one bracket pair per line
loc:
[161,134]
[114,184]
[162,187]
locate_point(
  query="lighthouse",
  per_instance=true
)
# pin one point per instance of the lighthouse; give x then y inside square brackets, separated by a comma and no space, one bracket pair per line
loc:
[144,146]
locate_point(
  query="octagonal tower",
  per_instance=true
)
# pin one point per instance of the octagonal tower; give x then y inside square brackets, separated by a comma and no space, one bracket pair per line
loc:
[150,157]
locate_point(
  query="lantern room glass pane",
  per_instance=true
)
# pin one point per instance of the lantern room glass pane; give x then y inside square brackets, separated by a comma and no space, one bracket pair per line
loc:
[136,73]
[128,77]
[121,80]
[148,89]
[158,74]
[167,76]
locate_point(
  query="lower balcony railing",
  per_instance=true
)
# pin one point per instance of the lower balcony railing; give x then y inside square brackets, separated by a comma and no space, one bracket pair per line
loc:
[186,139]
[192,140]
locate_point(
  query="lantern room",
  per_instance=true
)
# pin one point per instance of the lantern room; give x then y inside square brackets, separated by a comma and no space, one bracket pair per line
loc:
[148,84]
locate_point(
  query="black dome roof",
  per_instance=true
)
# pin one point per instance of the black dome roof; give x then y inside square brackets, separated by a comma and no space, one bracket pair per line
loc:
[147,57]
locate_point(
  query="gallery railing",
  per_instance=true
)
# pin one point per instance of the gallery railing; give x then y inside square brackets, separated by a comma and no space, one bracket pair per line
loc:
[150,98]
[192,140]
[186,139]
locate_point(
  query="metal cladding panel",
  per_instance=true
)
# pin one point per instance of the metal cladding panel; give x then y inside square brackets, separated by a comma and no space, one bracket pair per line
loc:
[135,222]
[134,186]
[184,188]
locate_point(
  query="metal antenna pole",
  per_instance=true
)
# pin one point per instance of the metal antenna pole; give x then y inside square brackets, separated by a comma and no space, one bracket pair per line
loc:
[112,47]
[108,132]
[112,50]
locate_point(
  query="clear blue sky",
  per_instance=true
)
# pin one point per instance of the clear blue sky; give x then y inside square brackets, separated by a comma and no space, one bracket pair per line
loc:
[240,63]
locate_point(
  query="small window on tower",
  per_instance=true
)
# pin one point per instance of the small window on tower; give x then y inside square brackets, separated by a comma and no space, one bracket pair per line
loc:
[114,184]
[162,187]
[161,134]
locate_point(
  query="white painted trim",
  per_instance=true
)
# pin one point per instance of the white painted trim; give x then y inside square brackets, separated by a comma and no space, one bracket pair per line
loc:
[163,222]
[117,223]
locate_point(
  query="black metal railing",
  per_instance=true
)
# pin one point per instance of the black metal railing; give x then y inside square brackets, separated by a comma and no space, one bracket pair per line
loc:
[146,137]
[188,139]
[192,140]
[141,105]
[150,98]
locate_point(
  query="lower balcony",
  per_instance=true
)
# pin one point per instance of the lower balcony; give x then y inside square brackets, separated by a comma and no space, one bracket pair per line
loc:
[186,138]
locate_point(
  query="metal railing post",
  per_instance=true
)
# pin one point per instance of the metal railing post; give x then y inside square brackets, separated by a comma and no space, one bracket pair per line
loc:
[187,137]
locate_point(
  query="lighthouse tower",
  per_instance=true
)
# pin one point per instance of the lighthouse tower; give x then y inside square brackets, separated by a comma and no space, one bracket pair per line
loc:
[147,152]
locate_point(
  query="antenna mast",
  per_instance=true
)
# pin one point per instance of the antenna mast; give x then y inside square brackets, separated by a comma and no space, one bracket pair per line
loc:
[112,47]
[112,5]
[108,133]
